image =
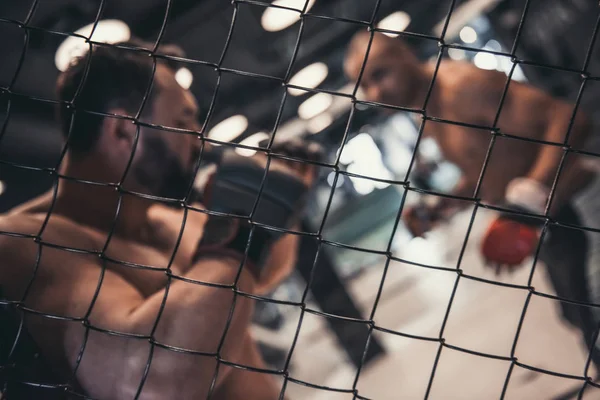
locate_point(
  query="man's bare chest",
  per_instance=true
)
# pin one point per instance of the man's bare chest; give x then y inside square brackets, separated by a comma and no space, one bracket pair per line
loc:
[143,264]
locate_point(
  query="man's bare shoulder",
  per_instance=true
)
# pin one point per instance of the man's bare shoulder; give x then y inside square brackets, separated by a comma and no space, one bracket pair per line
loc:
[17,247]
[17,224]
[25,247]
[28,221]
[462,76]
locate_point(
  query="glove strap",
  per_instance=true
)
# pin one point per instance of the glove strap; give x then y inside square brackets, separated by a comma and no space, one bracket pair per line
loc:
[528,194]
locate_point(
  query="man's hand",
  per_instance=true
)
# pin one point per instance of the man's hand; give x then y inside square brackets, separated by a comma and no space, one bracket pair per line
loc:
[234,189]
[508,242]
[302,150]
[512,237]
[166,223]
[420,219]
[423,217]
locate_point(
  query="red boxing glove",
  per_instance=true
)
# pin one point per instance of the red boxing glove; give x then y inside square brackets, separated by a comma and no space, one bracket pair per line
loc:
[511,238]
[509,242]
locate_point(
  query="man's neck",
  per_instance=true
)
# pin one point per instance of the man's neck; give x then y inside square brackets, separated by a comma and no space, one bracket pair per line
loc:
[96,205]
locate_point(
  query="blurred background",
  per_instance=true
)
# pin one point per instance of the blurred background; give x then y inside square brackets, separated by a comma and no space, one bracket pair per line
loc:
[249,108]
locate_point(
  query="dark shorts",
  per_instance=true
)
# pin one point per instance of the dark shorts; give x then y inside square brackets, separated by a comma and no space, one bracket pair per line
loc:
[565,254]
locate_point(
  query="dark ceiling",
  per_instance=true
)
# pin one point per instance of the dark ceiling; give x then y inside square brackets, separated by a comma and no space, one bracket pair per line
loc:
[200,28]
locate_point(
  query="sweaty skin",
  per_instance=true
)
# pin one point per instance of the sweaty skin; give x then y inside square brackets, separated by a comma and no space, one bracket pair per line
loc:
[464,93]
[129,298]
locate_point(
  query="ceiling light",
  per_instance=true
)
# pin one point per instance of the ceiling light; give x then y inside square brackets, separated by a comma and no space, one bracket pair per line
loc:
[275,19]
[457,54]
[468,34]
[429,151]
[485,61]
[320,122]
[253,141]
[315,105]
[2,187]
[184,77]
[493,45]
[107,31]
[397,21]
[309,77]
[331,179]
[518,74]
[361,147]
[229,128]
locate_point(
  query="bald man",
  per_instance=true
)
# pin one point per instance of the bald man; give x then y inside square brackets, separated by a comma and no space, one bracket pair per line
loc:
[519,174]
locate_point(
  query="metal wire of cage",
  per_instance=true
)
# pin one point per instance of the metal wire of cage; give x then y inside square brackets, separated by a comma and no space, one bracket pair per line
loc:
[70,387]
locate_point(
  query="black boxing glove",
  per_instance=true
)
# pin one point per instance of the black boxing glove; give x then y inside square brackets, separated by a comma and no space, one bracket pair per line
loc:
[234,189]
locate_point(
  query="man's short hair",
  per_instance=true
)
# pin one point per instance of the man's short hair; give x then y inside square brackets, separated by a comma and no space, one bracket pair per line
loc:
[116,78]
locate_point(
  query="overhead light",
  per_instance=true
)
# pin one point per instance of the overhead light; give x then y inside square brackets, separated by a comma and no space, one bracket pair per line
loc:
[468,34]
[184,77]
[275,19]
[518,74]
[2,187]
[457,54]
[331,179]
[485,61]
[253,141]
[107,31]
[364,158]
[315,105]
[505,65]
[229,128]
[397,21]
[493,45]
[309,77]
[320,122]
[360,147]
[429,151]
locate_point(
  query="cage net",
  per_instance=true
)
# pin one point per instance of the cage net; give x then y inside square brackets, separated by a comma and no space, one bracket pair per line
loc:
[71,387]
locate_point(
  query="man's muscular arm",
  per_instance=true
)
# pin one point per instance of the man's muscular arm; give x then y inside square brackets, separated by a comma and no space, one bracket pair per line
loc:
[280,263]
[194,318]
[479,101]
[574,176]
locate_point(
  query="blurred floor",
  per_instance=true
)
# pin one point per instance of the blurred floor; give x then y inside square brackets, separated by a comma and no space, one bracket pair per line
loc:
[414,300]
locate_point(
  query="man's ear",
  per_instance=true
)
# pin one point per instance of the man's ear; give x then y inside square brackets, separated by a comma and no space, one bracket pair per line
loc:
[118,132]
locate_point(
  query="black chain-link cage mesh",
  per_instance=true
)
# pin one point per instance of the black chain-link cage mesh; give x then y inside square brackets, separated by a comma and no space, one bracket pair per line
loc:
[70,387]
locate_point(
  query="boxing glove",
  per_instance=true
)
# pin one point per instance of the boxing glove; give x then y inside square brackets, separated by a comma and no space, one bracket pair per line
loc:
[427,214]
[234,190]
[512,237]
[420,219]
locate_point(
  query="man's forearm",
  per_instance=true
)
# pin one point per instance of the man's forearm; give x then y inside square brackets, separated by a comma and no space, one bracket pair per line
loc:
[546,165]
[193,305]
[280,263]
[573,177]
[193,318]
[195,315]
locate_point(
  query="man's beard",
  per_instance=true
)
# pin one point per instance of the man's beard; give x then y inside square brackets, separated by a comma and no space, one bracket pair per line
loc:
[160,173]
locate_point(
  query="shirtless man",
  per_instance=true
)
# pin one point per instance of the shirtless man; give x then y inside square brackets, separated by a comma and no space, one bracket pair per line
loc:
[129,298]
[519,174]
